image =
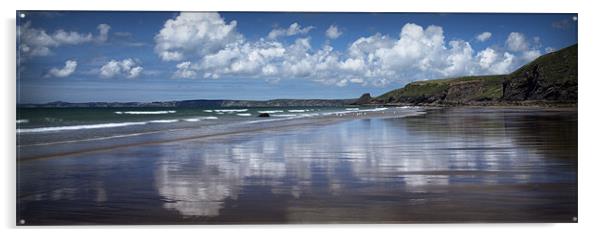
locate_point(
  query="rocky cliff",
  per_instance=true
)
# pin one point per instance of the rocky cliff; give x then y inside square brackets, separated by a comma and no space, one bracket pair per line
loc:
[551,78]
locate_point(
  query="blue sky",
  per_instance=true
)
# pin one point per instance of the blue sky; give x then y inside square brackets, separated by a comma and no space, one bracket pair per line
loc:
[160,56]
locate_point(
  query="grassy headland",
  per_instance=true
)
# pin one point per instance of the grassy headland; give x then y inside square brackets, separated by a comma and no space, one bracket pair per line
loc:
[550,79]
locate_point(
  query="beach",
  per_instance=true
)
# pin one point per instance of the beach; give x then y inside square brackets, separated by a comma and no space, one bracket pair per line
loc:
[354,165]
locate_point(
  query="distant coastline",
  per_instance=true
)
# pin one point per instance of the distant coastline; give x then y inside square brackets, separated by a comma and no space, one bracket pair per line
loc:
[198,103]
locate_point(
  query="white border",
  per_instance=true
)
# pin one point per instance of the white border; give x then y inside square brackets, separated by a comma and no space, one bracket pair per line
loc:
[589,128]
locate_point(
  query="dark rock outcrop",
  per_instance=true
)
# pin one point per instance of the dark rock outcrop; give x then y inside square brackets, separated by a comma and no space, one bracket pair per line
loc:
[364,99]
[552,77]
[457,92]
[264,115]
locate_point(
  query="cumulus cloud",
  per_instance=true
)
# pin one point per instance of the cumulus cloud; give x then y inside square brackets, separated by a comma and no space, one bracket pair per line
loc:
[333,32]
[293,29]
[68,69]
[491,61]
[245,58]
[483,36]
[37,42]
[417,49]
[486,58]
[416,53]
[459,60]
[128,68]
[103,32]
[517,42]
[194,34]
[185,70]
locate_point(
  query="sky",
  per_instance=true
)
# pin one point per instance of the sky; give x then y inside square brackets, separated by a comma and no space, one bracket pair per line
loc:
[162,56]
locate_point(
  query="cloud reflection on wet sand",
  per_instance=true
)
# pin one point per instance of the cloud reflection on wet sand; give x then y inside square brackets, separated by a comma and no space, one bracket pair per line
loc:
[448,165]
[344,156]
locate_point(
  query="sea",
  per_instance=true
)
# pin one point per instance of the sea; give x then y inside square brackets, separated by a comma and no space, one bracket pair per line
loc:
[79,129]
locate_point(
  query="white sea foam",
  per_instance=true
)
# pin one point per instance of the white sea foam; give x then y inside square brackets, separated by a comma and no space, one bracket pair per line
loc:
[78,127]
[310,115]
[200,118]
[352,109]
[22,121]
[208,110]
[354,112]
[408,107]
[244,114]
[284,115]
[146,112]
[297,110]
[230,110]
[91,126]
[164,121]
[271,111]
[373,110]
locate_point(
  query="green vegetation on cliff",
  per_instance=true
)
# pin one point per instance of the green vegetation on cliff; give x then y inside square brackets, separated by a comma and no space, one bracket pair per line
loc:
[551,77]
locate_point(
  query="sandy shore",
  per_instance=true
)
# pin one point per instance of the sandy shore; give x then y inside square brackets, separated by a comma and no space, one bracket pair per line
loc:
[448,165]
[55,149]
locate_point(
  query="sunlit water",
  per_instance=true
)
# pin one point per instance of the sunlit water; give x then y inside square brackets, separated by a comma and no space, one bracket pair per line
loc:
[453,165]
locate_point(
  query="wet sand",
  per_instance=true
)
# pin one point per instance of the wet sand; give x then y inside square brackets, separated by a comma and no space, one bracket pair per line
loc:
[448,165]
[53,145]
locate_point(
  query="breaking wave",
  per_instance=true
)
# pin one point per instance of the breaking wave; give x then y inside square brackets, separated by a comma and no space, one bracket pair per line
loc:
[230,110]
[146,112]
[79,127]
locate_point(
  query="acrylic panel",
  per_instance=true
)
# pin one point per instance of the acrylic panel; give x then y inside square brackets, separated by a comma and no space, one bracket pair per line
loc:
[128,118]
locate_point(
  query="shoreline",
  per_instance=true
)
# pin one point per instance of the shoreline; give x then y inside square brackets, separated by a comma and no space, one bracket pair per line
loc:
[100,144]
[184,134]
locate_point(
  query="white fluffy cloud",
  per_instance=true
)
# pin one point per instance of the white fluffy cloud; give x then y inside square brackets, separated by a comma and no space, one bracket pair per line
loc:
[194,34]
[416,49]
[185,70]
[128,68]
[293,29]
[68,69]
[243,59]
[517,42]
[491,61]
[484,36]
[37,42]
[333,32]
[486,58]
[417,53]
[459,60]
